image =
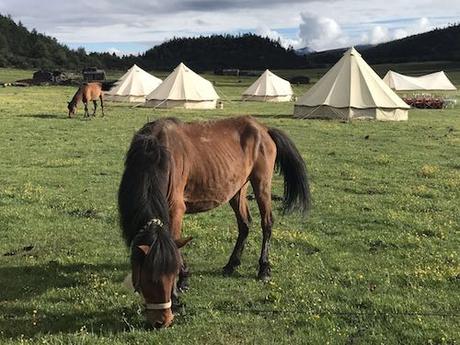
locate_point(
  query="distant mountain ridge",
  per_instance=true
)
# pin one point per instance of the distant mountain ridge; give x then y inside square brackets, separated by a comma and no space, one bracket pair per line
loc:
[304,51]
[436,45]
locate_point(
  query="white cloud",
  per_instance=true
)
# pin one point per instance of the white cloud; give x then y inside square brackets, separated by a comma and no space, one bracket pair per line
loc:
[379,34]
[326,24]
[421,25]
[400,33]
[116,51]
[320,33]
[424,24]
[265,31]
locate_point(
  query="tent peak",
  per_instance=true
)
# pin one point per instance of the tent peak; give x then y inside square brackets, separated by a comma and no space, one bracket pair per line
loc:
[352,51]
[183,67]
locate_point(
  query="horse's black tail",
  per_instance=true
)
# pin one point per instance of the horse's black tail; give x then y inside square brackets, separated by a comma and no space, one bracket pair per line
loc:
[144,185]
[290,164]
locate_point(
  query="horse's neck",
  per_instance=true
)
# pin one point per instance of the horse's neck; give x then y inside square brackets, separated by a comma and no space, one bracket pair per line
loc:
[77,97]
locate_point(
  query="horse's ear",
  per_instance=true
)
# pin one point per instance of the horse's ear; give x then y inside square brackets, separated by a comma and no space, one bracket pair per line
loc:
[182,241]
[145,249]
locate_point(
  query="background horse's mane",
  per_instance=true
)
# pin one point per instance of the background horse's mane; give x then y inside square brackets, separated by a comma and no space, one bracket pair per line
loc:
[77,97]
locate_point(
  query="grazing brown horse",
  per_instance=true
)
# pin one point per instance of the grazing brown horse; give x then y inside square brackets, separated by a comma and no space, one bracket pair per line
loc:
[86,93]
[173,168]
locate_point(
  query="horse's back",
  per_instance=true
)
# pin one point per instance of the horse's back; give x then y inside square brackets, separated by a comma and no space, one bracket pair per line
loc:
[91,91]
[240,136]
[213,160]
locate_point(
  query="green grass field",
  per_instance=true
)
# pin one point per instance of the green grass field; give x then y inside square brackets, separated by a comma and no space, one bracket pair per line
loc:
[377,261]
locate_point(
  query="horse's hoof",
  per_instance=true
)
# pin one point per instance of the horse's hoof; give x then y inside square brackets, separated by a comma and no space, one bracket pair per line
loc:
[264,273]
[228,270]
[264,278]
[182,286]
[177,305]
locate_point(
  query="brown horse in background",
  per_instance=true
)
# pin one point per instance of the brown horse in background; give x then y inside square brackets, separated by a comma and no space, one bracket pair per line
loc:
[173,168]
[86,93]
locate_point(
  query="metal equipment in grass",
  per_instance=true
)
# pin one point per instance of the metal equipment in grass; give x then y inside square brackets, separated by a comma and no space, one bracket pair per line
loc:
[86,93]
[173,168]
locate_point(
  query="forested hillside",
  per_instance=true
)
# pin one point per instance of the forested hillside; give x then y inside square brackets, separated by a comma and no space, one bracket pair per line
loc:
[22,48]
[246,51]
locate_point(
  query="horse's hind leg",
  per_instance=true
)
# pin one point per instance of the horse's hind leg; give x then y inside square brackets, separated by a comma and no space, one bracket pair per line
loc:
[102,105]
[95,107]
[262,190]
[239,205]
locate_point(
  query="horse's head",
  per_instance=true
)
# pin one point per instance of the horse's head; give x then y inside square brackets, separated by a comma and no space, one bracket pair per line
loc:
[155,266]
[72,106]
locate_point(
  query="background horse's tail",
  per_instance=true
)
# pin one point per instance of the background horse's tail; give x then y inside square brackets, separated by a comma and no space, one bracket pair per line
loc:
[144,185]
[289,163]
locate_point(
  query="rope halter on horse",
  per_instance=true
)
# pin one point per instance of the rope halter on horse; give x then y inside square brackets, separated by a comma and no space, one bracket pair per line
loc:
[155,221]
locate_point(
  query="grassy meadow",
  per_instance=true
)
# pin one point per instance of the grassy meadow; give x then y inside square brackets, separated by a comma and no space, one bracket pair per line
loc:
[376,262]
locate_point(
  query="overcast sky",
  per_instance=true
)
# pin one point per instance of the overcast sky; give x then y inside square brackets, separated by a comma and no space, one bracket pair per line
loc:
[135,26]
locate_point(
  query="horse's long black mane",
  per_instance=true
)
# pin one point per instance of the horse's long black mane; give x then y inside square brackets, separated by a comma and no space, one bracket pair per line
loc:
[163,257]
[144,184]
[142,197]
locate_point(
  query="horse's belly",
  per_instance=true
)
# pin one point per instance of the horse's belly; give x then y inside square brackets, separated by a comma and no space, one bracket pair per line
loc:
[201,206]
[215,180]
[204,197]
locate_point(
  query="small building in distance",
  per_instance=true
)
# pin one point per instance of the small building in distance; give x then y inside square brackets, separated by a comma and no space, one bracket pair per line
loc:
[93,74]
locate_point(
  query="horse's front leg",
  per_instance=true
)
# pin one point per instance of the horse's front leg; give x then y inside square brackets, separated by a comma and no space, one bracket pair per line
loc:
[86,109]
[176,214]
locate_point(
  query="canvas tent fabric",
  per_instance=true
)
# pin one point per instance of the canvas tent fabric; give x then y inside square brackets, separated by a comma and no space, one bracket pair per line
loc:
[351,90]
[437,81]
[133,86]
[269,88]
[183,88]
